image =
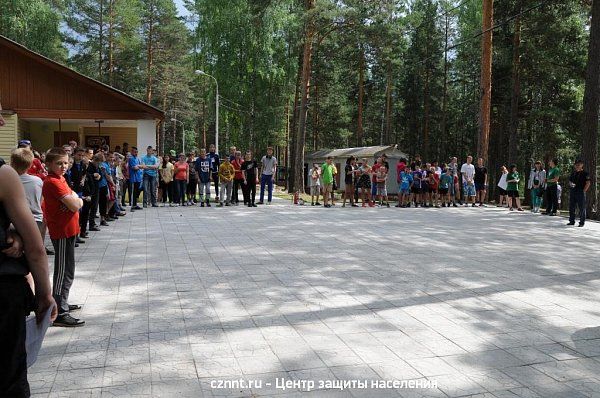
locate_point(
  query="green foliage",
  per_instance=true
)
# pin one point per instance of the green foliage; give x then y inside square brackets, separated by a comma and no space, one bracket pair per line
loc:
[35,24]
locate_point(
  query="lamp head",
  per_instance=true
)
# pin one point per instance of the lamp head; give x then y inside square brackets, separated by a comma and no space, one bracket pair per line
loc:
[199,72]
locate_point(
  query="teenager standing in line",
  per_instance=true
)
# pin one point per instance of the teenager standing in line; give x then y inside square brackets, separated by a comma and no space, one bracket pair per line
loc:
[250,174]
[268,173]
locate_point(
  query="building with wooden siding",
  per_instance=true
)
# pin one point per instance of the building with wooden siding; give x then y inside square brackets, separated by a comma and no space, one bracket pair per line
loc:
[50,104]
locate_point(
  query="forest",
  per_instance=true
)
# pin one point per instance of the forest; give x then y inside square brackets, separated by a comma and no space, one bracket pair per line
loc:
[302,75]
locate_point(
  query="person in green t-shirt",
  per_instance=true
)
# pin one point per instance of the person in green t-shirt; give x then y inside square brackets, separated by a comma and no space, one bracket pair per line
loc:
[552,188]
[327,176]
[512,187]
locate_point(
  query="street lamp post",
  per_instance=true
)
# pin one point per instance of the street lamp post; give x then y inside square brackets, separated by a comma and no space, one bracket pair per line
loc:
[182,134]
[201,73]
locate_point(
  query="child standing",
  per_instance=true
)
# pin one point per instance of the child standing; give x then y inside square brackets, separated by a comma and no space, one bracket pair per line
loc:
[226,174]
[433,181]
[406,180]
[181,178]
[204,177]
[512,180]
[61,212]
[502,185]
[315,185]
[382,175]
[446,181]
[416,186]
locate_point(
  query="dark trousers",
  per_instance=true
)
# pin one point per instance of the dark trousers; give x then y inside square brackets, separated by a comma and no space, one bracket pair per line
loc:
[135,188]
[552,202]
[84,216]
[215,178]
[191,189]
[577,200]
[249,191]
[266,180]
[126,188]
[167,192]
[93,209]
[64,272]
[237,184]
[103,201]
[17,301]
[181,186]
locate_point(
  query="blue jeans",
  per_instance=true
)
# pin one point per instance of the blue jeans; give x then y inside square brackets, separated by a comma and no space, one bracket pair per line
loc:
[266,180]
[149,190]
[577,200]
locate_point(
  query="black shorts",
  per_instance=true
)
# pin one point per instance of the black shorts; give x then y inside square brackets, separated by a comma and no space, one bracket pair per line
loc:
[415,190]
[502,191]
[443,191]
[425,189]
[513,194]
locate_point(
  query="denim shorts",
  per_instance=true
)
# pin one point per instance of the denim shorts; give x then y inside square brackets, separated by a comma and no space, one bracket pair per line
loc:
[469,190]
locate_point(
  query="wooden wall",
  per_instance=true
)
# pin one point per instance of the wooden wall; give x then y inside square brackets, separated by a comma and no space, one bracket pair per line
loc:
[8,136]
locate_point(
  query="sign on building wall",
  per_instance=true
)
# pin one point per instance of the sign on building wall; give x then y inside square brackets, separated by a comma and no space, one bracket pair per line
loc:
[96,141]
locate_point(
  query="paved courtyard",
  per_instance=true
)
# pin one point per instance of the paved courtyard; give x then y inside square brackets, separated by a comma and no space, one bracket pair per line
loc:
[481,302]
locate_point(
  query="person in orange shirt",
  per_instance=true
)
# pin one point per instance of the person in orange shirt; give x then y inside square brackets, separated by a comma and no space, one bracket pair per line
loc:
[61,212]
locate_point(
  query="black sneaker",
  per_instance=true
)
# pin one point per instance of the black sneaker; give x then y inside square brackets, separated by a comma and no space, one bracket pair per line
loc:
[137,208]
[260,203]
[581,224]
[49,252]
[79,240]
[454,204]
[254,205]
[67,321]
[571,223]
[74,307]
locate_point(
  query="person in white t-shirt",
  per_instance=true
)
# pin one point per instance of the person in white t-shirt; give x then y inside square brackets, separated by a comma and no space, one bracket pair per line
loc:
[502,185]
[468,174]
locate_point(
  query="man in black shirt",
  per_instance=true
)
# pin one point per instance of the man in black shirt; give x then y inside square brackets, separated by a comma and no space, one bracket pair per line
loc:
[579,183]
[480,181]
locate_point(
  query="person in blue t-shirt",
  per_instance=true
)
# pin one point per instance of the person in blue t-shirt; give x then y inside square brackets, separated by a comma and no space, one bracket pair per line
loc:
[204,170]
[416,186]
[136,169]
[215,162]
[406,180]
[150,177]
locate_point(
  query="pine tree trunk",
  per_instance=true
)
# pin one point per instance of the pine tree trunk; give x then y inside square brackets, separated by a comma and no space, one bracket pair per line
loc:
[516,91]
[361,94]
[591,102]
[111,42]
[100,38]
[150,52]
[486,81]
[294,124]
[426,112]
[304,95]
[388,104]
[445,92]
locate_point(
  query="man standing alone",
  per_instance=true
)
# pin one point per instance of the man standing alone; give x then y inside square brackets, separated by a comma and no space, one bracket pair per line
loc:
[579,183]
[268,173]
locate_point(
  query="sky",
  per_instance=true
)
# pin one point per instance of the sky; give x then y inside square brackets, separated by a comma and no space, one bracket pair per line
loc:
[181,8]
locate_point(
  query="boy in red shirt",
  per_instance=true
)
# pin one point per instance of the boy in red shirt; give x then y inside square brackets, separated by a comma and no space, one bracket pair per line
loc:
[61,212]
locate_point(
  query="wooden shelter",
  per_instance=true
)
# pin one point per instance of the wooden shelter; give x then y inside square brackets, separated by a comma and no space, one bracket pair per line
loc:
[369,152]
[50,104]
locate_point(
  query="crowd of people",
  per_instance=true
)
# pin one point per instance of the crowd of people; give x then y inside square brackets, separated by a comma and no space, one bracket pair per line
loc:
[67,189]
[423,184]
